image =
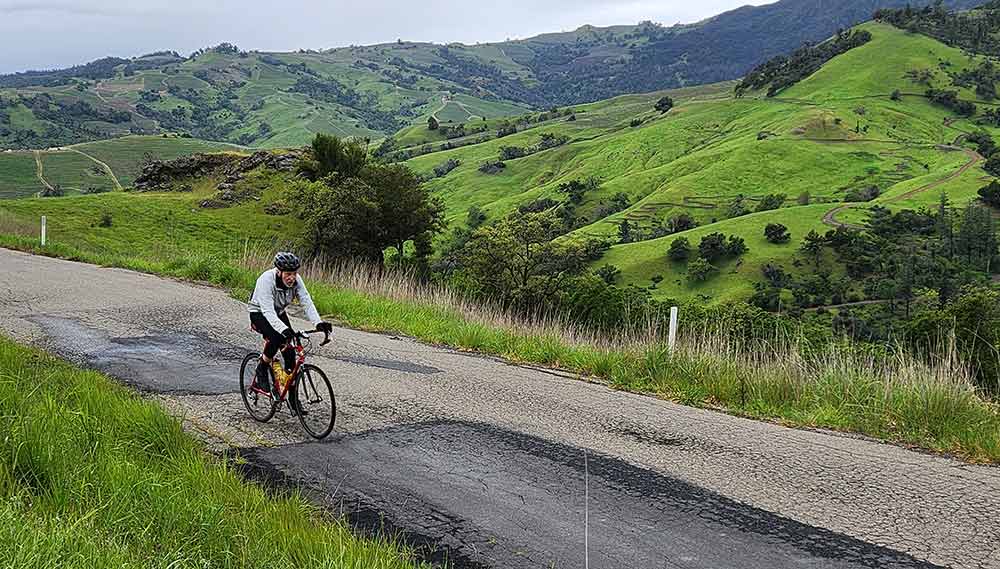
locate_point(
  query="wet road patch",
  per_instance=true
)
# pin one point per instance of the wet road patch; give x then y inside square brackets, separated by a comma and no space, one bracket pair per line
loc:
[488,496]
[178,363]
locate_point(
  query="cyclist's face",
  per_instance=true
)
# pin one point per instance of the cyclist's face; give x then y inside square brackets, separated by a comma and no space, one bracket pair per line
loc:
[288,277]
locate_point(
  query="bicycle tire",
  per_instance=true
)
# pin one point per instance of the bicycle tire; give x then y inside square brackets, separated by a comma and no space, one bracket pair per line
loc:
[311,386]
[261,407]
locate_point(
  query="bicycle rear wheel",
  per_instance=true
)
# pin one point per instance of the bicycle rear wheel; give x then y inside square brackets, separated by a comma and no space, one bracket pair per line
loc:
[314,402]
[260,405]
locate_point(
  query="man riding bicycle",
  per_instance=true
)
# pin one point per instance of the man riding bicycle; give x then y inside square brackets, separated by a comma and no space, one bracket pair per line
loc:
[276,289]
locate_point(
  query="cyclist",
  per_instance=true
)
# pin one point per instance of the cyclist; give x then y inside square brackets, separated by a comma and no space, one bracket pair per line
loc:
[276,288]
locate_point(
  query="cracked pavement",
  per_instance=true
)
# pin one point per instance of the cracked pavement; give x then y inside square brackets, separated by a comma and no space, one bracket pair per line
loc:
[487,464]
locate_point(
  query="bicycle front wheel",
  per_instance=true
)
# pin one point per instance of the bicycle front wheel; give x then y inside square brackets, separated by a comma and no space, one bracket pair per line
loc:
[260,405]
[314,402]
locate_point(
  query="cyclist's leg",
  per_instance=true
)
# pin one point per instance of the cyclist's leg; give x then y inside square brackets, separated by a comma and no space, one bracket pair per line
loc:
[264,328]
[273,341]
[289,352]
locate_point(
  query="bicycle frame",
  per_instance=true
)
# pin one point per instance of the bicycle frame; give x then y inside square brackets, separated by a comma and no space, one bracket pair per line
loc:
[284,384]
[300,359]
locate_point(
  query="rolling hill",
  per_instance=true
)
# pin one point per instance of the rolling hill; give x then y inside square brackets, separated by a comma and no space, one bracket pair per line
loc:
[819,144]
[281,99]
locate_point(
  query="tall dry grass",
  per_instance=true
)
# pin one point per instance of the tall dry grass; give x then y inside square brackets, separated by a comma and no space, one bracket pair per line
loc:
[405,286]
[11,225]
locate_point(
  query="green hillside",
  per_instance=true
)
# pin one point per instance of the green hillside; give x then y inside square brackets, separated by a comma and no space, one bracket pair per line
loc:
[834,134]
[260,99]
[282,99]
[91,167]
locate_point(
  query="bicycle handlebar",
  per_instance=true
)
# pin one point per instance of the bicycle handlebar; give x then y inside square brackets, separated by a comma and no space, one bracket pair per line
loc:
[305,334]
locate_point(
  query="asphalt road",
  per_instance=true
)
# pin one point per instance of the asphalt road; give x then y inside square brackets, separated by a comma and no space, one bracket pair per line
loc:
[487,464]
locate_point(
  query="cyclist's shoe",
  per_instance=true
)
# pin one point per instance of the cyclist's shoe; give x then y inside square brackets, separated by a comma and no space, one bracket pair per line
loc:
[262,379]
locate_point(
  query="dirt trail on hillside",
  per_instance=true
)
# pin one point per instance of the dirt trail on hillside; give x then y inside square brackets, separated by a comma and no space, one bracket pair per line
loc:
[40,171]
[830,218]
[103,165]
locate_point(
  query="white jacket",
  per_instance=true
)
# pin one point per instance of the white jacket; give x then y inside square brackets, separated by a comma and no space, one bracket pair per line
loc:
[270,297]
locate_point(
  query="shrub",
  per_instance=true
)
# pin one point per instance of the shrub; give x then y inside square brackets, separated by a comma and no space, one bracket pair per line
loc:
[680,250]
[608,273]
[492,167]
[700,269]
[771,201]
[776,233]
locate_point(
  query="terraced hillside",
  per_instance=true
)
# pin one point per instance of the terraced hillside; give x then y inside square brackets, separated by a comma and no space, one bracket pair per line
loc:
[825,141]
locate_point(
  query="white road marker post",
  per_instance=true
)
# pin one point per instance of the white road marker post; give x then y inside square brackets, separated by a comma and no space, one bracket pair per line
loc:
[672,336]
[43,231]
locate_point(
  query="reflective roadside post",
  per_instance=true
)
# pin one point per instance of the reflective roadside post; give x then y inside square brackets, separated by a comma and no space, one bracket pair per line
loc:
[672,336]
[43,231]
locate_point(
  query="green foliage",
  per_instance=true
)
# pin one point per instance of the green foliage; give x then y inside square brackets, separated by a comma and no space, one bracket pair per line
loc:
[700,269]
[360,217]
[625,231]
[332,155]
[360,209]
[664,104]
[950,100]
[517,262]
[712,247]
[990,193]
[993,165]
[475,218]
[608,273]
[492,167]
[770,201]
[432,123]
[776,233]
[680,250]
[737,207]
[812,245]
[736,246]
[969,30]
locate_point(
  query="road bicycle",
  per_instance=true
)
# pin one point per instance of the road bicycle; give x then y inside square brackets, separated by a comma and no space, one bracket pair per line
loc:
[305,389]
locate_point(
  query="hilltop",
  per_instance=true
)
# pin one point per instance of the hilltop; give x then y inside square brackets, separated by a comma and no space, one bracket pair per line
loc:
[229,94]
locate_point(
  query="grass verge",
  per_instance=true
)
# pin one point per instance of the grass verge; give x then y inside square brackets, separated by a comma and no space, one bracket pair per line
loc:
[933,406]
[91,476]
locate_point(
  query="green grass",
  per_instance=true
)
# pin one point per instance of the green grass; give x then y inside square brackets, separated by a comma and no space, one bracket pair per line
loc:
[74,172]
[125,155]
[91,476]
[152,225]
[18,175]
[640,262]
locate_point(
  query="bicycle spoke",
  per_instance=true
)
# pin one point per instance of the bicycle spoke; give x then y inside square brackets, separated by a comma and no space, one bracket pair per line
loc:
[316,403]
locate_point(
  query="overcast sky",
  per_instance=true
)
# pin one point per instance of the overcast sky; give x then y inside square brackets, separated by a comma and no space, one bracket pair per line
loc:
[58,33]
